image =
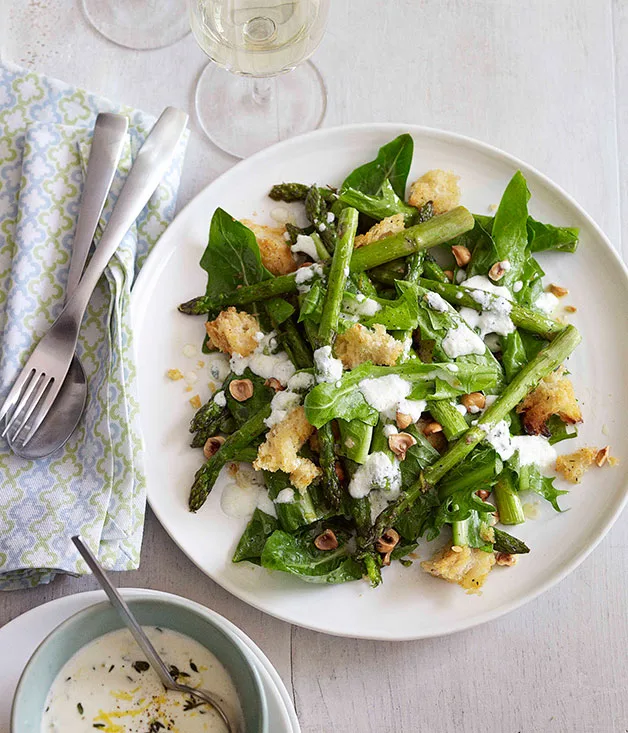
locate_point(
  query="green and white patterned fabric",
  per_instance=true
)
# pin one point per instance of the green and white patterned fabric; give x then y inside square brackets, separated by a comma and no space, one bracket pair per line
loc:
[95,485]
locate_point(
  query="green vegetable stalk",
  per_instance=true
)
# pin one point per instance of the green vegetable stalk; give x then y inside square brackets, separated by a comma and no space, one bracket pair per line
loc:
[436,231]
[507,500]
[454,424]
[526,318]
[290,192]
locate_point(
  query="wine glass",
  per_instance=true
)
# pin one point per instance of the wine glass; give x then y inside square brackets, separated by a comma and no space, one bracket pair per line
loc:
[246,100]
[139,24]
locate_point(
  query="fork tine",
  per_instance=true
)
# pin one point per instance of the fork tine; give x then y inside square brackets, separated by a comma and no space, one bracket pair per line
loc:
[41,413]
[22,400]
[24,379]
[28,409]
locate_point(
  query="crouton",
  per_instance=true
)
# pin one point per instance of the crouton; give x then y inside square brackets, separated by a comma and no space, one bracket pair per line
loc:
[234,332]
[553,396]
[360,344]
[438,186]
[279,451]
[275,251]
[466,566]
[573,466]
[384,228]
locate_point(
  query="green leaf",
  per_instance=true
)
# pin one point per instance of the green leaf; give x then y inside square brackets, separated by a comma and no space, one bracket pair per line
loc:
[478,471]
[327,402]
[505,542]
[530,478]
[232,256]
[279,310]
[355,439]
[401,314]
[419,456]
[420,519]
[257,531]
[542,237]
[392,163]
[261,397]
[379,206]
[560,430]
[297,555]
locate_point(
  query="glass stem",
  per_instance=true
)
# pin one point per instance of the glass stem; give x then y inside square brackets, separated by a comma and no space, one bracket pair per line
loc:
[262,91]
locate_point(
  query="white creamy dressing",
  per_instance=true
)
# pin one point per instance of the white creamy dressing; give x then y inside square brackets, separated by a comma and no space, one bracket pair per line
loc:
[547,303]
[530,449]
[363,306]
[244,492]
[328,368]
[286,400]
[436,302]
[220,398]
[495,314]
[462,341]
[377,472]
[304,276]
[306,245]
[388,396]
[264,362]
[285,496]
[107,686]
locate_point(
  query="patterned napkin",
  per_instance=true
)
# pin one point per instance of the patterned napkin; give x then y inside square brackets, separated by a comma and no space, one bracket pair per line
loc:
[95,485]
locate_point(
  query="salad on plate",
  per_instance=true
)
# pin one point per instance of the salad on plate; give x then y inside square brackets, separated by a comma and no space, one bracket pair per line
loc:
[394,370]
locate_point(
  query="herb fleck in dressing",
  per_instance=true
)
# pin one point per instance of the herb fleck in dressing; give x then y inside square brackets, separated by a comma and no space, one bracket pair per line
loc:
[108,686]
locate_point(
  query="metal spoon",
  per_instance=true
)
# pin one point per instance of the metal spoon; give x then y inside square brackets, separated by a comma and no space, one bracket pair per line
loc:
[61,421]
[143,641]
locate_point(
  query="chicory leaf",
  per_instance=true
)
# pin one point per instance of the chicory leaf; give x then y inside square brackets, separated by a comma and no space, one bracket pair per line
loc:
[542,237]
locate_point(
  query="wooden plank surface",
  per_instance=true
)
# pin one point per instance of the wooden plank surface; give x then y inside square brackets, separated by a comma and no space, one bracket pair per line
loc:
[549,83]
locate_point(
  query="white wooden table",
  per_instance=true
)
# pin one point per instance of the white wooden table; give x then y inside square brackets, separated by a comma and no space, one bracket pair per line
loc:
[547,81]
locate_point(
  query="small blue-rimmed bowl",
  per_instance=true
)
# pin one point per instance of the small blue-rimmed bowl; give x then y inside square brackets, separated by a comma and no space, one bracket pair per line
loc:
[90,623]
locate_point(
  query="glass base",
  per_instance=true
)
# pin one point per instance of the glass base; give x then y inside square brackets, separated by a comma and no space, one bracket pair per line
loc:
[139,24]
[242,114]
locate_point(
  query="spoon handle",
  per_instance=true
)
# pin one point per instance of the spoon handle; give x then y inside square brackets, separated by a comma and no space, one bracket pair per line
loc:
[104,155]
[121,607]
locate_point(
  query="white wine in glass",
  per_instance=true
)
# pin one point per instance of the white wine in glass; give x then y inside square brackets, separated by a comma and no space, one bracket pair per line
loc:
[245,100]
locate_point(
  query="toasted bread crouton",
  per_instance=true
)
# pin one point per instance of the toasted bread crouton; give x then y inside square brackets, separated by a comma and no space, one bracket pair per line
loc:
[466,566]
[574,465]
[553,396]
[438,186]
[279,451]
[384,228]
[233,332]
[360,344]
[275,251]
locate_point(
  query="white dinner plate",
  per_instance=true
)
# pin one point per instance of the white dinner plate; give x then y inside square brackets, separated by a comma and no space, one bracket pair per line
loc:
[410,604]
[20,638]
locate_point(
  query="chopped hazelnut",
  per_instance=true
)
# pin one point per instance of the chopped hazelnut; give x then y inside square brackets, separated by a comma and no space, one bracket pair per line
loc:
[456,548]
[497,271]
[474,402]
[274,384]
[340,472]
[483,494]
[399,444]
[403,420]
[571,308]
[212,445]
[558,291]
[387,543]
[241,389]
[431,428]
[505,558]
[461,254]
[449,274]
[196,402]
[602,455]
[174,374]
[326,541]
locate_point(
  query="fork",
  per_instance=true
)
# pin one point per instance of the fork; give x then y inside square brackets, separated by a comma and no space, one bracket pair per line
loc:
[39,382]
